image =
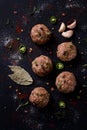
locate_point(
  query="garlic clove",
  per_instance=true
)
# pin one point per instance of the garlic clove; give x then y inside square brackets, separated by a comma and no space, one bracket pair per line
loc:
[62,28]
[72,25]
[67,34]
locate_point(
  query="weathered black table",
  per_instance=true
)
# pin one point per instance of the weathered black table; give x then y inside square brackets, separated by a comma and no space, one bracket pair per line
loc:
[16,19]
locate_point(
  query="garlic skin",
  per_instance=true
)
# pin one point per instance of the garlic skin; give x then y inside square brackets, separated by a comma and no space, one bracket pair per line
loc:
[62,28]
[67,34]
[72,25]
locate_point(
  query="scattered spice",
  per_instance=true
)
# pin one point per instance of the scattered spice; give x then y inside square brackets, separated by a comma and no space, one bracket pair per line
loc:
[7,22]
[35,10]
[85,40]
[19,29]
[73,102]
[52,89]
[81,53]
[84,85]
[80,91]
[83,70]
[10,87]
[22,96]
[63,14]
[62,104]
[15,12]
[47,83]
[17,38]
[59,66]
[53,20]
[79,42]
[25,111]
[52,28]
[30,50]
[79,38]
[84,77]
[22,49]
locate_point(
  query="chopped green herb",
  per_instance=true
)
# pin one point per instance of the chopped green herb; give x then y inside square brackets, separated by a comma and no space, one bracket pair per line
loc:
[53,20]
[59,86]
[35,10]
[48,65]
[85,65]
[60,115]
[22,49]
[71,46]
[35,63]
[78,97]
[18,38]
[65,53]
[7,22]
[59,66]
[62,104]
[21,105]
[85,40]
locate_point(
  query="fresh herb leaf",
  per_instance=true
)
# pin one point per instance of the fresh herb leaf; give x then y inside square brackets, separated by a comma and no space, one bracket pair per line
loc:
[21,105]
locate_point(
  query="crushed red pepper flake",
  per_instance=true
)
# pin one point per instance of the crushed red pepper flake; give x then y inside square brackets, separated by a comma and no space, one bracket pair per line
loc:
[30,49]
[63,14]
[15,12]
[73,102]
[50,52]
[19,29]
[25,18]
[52,89]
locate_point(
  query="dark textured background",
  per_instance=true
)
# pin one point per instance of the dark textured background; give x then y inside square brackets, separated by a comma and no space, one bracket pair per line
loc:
[74,117]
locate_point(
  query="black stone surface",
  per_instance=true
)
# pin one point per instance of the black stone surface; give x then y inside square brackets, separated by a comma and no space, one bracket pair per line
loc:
[29,13]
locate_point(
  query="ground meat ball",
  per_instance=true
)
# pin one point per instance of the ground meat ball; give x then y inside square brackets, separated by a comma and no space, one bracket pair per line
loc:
[42,65]
[39,97]
[66,51]
[66,82]
[40,34]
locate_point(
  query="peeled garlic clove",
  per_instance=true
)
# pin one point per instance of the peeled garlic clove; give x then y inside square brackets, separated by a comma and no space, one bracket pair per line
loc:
[68,34]
[62,28]
[72,25]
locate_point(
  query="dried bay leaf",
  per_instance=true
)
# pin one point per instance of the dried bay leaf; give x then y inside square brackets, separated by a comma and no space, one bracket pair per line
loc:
[20,75]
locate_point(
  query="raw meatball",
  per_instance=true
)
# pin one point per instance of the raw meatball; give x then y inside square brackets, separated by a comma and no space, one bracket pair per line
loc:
[66,51]
[40,34]
[42,65]
[66,82]
[39,97]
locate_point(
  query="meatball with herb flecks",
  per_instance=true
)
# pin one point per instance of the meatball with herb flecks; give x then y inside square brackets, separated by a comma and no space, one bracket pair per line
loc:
[39,97]
[66,51]
[40,34]
[66,82]
[42,65]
